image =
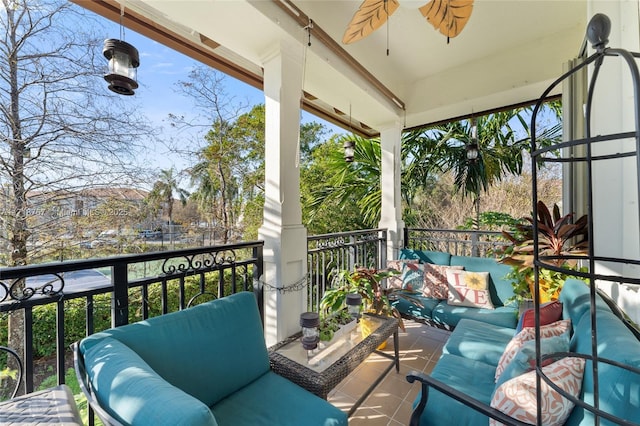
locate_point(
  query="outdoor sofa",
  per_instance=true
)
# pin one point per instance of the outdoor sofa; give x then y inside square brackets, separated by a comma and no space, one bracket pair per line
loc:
[434,307]
[205,365]
[476,350]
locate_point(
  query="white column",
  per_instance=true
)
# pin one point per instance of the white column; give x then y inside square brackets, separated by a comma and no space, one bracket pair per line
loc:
[285,251]
[391,214]
[615,196]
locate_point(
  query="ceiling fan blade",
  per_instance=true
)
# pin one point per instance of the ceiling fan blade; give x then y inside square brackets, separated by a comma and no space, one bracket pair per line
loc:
[369,17]
[448,16]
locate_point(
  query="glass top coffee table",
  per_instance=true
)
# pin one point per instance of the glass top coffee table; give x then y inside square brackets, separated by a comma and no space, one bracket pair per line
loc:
[322,369]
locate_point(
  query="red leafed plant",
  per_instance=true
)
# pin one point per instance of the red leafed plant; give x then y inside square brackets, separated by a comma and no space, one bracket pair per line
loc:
[557,236]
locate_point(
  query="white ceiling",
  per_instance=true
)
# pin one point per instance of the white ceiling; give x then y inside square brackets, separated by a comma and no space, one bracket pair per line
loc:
[507,54]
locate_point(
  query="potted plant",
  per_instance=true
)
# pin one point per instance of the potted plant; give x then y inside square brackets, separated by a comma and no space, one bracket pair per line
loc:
[332,323]
[557,236]
[367,282]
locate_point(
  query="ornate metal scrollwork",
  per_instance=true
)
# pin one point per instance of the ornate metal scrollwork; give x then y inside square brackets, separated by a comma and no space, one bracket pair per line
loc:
[18,290]
[370,236]
[331,243]
[198,262]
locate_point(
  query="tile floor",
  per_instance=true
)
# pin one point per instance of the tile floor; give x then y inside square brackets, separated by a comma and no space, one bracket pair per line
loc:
[391,401]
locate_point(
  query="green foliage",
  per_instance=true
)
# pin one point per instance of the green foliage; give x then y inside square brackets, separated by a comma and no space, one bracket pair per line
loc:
[367,283]
[327,214]
[348,184]
[329,324]
[490,221]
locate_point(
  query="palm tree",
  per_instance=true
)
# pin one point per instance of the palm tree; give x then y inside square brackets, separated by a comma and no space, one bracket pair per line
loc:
[162,193]
[357,182]
[429,152]
[443,148]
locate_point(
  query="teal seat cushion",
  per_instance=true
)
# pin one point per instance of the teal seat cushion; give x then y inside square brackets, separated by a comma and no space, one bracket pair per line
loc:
[503,316]
[619,389]
[191,348]
[426,256]
[474,378]
[479,341]
[281,403]
[130,391]
[500,288]
[414,304]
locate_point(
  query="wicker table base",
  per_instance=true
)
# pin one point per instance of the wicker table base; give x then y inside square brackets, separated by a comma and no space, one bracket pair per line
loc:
[321,379]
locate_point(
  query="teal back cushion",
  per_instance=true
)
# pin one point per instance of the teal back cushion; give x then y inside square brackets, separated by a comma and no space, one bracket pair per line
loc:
[130,391]
[426,256]
[575,300]
[209,351]
[618,388]
[500,288]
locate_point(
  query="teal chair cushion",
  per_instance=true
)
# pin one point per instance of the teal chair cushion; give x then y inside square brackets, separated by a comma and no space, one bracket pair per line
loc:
[209,351]
[281,402]
[479,341]
[474,378]
[129,390]
[503,316]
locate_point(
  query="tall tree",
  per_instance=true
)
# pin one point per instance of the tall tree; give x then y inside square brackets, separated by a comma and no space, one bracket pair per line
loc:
[163,192]
[59,126]
[430,153]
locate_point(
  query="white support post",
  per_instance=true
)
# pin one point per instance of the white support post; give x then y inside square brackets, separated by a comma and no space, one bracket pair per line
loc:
[391,214]
[285,250]
[615,196]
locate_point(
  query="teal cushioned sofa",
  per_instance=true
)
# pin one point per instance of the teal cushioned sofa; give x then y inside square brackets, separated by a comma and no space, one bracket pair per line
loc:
[205,365]
[467,367]
[439,313]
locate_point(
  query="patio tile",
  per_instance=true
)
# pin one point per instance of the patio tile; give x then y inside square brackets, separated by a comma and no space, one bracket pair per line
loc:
[391,402]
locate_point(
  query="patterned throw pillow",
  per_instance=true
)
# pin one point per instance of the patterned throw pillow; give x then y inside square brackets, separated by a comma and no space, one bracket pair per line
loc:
[412,276]
[396,280]
[554,329]
[517,397]
[525,359]
[469,289]
[435,280]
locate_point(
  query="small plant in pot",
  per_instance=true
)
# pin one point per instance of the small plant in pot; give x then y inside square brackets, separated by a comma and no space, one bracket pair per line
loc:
[367,282]
[557,236]
[331,323]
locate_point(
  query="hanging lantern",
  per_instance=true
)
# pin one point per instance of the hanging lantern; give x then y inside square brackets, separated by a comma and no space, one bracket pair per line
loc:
[123,63]
[472,149]
[349,147]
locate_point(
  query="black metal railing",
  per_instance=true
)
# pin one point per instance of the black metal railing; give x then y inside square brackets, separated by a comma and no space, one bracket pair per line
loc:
[456,242]
[46,302]
[329,253]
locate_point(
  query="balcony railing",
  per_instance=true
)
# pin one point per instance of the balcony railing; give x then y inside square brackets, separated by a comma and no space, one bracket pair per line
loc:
[115,291]
[456,242]
[329,253]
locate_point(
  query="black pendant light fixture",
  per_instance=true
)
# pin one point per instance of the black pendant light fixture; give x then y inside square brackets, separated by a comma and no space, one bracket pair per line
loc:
[123,63]
[472,148]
